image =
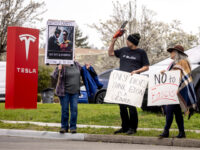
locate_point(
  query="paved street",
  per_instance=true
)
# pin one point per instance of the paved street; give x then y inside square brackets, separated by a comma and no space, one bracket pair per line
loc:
[20,143]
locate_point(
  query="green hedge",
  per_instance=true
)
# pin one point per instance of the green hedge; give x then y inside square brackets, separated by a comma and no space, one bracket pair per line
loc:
[44,78]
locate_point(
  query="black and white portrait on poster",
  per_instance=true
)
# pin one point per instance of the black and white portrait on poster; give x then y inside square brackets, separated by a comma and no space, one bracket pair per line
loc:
[60,42]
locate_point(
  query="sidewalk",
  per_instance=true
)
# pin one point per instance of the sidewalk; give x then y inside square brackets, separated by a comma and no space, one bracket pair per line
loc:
[102,138]
[86,126]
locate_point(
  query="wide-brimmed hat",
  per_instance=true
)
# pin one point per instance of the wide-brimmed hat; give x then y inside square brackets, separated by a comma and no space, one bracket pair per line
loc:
[178,48]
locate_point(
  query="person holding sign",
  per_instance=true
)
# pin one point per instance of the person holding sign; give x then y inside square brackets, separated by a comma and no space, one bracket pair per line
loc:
[68,89]
[133,60]
[185,92]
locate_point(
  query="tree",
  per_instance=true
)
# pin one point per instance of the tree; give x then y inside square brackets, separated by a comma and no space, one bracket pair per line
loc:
[178,36]
[156,36]
[16,13]
[80,41]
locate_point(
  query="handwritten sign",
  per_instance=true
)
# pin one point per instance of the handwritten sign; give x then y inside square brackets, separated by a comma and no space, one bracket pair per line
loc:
[126,89]
[163,88]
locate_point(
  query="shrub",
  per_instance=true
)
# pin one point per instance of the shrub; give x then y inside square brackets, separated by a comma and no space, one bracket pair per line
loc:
[39,97]
[44,78]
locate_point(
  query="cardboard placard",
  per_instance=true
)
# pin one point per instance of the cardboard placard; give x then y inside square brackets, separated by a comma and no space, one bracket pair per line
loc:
[124,88]
[163,88]
[60,42]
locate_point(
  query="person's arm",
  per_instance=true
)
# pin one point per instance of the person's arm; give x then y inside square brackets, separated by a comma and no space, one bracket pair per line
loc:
[144,68]
[54,75]
[111,47]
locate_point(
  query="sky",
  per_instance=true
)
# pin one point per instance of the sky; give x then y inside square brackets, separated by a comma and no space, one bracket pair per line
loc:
[87,12]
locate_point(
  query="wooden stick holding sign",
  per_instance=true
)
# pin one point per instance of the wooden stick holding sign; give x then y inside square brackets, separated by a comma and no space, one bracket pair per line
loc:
[163,88]
[124,88]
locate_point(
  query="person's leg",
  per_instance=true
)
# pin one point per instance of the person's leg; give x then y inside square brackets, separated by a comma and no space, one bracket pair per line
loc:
[64,102]
[133,123]
[124,118]
[179,121]
[169,116]
[169,120]
[74,111]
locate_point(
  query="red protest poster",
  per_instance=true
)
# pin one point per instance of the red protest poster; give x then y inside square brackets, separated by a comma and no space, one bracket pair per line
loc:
[22,68]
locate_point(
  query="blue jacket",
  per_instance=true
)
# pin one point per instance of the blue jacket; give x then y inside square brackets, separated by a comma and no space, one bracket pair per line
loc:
[91,81]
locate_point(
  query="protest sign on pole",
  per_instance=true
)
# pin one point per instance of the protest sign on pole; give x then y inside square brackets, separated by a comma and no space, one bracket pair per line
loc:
[124,88]
[60,42]
[163,88]
[22,68]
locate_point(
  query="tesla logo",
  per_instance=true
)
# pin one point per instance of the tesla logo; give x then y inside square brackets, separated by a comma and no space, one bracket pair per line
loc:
[27,38]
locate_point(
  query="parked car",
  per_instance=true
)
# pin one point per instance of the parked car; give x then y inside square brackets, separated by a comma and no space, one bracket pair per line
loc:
[103,78]
[83,98]
[2,81]
[100,94]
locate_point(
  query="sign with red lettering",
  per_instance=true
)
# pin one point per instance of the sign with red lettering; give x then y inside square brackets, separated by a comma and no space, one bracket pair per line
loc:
[22,68]
[163,88]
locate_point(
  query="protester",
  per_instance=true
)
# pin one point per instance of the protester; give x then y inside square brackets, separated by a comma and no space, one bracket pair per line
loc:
[135,61]
[186,93]
[53,43]
[68,89]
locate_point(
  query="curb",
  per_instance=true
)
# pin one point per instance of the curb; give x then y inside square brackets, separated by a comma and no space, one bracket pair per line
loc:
[102,138]
[143,140]
[42,134]
[129,139]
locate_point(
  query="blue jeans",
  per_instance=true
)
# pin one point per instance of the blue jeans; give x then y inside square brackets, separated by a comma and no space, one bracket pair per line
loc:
[71,99]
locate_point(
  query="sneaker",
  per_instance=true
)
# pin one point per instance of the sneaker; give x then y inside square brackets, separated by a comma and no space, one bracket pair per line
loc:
[165,134]
[120,131]
[73,131]
[131,131]
[181,135]
[63,130]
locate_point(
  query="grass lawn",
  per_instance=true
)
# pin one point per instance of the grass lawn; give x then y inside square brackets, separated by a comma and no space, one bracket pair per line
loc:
[92,114]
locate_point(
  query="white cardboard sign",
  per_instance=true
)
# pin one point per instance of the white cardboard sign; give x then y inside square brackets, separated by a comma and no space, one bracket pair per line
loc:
[163,88]
[124,88]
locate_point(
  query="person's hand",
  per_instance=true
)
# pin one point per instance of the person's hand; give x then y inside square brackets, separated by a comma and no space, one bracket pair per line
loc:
[59,67]
[163,71]
[114,39]
[87,65]
[133,72]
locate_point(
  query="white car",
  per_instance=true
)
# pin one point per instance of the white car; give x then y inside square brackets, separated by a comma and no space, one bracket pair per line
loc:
[2,80]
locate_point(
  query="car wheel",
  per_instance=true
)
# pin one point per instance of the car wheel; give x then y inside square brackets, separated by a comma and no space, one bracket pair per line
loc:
[100,97]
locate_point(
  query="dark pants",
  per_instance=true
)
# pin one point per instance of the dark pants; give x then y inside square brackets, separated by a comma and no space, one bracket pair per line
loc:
[129,117]
[170,110]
